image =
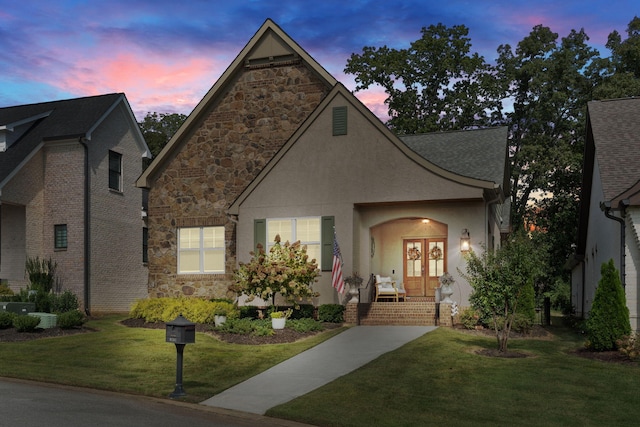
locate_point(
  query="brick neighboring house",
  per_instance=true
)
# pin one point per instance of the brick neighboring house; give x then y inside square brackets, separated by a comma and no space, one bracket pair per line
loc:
[609,226]
[67,174]
[278,146]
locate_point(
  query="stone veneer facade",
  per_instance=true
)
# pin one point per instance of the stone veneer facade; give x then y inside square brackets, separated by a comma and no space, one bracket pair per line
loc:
[258,112]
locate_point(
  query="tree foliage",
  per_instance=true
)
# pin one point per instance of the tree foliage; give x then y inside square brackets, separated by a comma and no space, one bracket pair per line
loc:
[286,269]
[158,129]
[439,84]
[435,84]
[609,316]
[501,279]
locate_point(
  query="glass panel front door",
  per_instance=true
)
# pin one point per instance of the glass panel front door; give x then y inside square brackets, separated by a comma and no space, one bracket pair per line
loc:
[421,270]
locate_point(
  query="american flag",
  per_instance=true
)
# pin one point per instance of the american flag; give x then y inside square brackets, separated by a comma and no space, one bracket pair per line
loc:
[336,270]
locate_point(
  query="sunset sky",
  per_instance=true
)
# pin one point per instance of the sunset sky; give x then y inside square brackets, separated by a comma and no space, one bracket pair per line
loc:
[166,54]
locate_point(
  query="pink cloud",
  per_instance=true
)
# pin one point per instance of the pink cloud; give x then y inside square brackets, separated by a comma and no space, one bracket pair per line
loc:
[154,83]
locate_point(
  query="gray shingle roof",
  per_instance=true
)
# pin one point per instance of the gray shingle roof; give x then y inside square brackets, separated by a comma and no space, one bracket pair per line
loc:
[71,118]
[479,154]
[616,134]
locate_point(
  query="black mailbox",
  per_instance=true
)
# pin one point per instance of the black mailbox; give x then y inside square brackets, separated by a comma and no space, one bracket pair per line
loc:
[181,331]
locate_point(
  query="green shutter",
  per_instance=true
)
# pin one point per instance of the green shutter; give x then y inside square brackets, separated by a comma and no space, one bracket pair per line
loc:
[339,121]
[328,223]
[259,234]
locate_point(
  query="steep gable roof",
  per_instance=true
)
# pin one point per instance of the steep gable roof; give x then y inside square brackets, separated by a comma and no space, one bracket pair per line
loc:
[615,126]
[479,154]
[49,121]
[423,159]
[269,45]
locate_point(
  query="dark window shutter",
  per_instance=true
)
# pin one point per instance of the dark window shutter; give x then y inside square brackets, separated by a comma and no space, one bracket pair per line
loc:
[259,234]
[339,121]
[328,222]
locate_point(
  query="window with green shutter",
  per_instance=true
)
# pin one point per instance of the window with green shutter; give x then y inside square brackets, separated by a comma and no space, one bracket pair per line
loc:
[314,232]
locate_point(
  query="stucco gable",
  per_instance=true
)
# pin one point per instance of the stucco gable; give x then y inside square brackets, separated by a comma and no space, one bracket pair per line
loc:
[375,125]
[269,46]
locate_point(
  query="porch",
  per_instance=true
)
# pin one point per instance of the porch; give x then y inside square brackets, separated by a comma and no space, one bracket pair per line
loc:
[414,312]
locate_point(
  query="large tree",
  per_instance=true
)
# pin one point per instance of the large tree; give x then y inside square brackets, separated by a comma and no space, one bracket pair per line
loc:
[618,75]
[435,84]
[549,92]
[158,129]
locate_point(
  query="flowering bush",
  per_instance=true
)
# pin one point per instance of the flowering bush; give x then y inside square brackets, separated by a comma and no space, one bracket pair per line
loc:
[286,269]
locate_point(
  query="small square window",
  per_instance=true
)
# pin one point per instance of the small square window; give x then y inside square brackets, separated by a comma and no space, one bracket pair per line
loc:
[115,171]
[60,236]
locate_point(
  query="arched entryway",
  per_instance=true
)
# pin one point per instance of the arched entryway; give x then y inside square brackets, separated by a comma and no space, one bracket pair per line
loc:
[413,251]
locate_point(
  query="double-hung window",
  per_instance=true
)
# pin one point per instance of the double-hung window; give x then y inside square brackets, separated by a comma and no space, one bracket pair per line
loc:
[60,236]
[201,250]
[115,171]
[307,230]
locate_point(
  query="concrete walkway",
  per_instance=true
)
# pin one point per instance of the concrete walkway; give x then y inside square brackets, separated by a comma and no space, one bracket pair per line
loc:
[315,367]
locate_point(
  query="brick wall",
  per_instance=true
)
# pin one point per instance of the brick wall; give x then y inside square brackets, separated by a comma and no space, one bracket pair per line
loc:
[414,313]
[256,115]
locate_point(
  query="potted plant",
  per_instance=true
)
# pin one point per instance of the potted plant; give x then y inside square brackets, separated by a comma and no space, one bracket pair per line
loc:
[279,318]
[354,281]
[220,315]
[446,287]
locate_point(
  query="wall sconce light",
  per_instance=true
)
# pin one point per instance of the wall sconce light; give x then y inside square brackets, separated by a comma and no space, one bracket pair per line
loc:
[465,241]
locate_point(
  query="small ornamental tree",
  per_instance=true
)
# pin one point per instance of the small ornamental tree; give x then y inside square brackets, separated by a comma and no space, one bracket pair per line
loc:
[500,279]
[286,270]
[609,317]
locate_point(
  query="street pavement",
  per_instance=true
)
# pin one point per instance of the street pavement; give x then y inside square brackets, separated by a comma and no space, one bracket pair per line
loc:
[33,404]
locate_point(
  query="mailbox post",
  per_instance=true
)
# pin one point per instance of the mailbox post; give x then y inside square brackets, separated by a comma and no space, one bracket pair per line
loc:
[180,332]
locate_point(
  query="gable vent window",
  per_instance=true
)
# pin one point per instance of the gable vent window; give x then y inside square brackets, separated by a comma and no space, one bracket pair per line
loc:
[339,121]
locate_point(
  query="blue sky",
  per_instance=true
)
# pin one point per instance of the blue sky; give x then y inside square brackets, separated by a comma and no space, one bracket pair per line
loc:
[166,54]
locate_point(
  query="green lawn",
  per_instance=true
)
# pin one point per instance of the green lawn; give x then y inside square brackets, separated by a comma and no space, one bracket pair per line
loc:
[139,361]
[438,380]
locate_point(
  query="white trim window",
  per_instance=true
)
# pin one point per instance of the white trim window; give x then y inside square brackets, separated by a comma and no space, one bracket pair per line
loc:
[306,229]
[201,250]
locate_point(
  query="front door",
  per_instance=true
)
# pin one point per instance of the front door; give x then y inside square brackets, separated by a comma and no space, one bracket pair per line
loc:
[425,261]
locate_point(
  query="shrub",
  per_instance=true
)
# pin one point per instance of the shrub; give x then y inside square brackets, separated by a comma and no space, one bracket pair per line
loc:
[249,311]
[305,325]
[5,291]
[71,319]
[629,345]
[196,310]
[609,317]
[26,323]
[305,311]
[527,303]
[470,318]
[237,326]
[41,274]
[6,319]
[64,302]
[331,313]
